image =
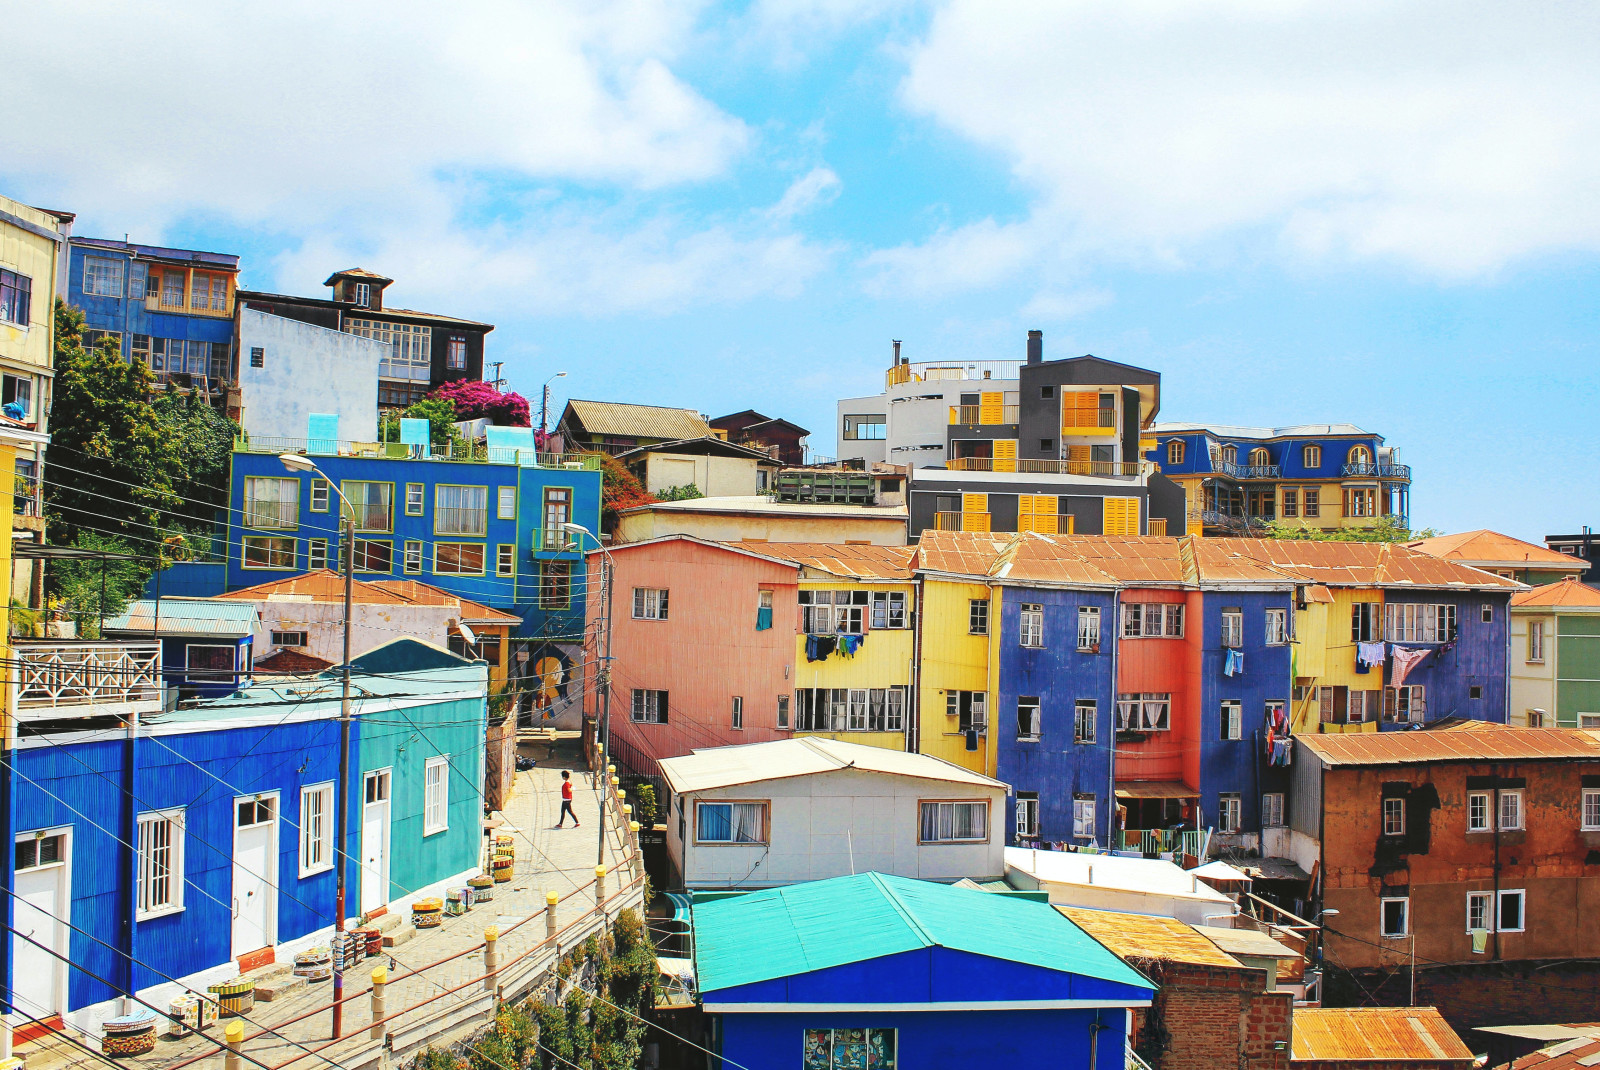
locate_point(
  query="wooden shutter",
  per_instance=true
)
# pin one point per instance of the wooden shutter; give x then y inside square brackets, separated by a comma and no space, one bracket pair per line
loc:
[1080,409]
[1037,512]
[1079,460]
[991,407]
[1121,516]
[1005,454]
[974,512]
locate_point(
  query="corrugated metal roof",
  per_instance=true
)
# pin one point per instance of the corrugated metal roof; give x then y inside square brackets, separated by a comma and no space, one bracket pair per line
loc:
[848,561]
[1567,594]
[642,421]
[780,932]
[1147,937]
[1363,564]
[752,763]
[1153,875]
[186,616]
[1375,1033]
[1247,942]
[326,585]
[1484,548]
[1480,742]
[1578,1053]
[1155,789]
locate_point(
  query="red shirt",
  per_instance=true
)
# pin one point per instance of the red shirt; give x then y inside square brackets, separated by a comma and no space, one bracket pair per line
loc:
[566,790]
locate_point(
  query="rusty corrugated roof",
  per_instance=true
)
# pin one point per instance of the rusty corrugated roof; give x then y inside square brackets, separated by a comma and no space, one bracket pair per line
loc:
[1565,594]
[847,560]
[1363,564]
[1142,936]
[326,585]
[1575,1053]
[640,421]
[1474,741]
[1367,1034]
[1484,548]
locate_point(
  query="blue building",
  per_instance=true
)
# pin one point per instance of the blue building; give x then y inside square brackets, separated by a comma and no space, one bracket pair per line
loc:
[169,308]
[171,853]
[880,972]
[206,647]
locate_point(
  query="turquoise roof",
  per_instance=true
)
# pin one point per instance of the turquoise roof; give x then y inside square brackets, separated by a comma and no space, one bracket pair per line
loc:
[781,932]
[186,617]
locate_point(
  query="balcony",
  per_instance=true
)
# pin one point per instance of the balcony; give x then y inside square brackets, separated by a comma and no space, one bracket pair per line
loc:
[62,678]
[977,371]
[1378,471]
[1080,422]
[972,416]
[961,521]
[1046,466]
[1235,470]
[466,452]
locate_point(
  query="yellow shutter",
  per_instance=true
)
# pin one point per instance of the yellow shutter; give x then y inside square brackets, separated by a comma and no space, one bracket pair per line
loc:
[1081,409]
[974,521]
[1037,512]
[991,407]
[1005,455]
[1078,463]
[1122,516]
[974,503]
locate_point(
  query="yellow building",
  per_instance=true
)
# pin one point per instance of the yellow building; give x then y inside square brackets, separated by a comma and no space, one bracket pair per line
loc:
[962,661]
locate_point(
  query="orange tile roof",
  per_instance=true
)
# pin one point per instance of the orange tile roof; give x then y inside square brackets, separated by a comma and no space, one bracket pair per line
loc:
[1470,742]
[849,561]
[1490,548]
[1141,936]
[1564,594]
[326,585]
[1375,1033]
[1363,564]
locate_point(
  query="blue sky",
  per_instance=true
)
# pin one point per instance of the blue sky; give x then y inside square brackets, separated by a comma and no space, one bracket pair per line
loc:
[1385,214]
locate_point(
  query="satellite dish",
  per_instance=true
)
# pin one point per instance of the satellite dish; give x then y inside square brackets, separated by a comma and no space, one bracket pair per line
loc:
[467,633]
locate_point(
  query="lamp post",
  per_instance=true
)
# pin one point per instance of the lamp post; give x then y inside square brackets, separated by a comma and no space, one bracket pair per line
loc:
[298,463]
[544,405]
[604,680]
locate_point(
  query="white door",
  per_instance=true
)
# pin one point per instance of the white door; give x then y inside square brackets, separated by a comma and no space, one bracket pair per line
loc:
[43,899]
[255,877]
[375,840]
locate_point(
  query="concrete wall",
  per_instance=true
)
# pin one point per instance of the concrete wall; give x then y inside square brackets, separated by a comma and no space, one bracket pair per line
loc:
[713,476]
[306,369]
[871,449]
[834,824]
[1532,683]
[777,526]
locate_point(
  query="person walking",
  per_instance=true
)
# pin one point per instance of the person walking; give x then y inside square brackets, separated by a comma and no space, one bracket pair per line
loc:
[566,801]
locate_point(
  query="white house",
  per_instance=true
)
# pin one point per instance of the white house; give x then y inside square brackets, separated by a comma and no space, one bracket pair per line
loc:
[807,808]
[289,370]
[1113,882]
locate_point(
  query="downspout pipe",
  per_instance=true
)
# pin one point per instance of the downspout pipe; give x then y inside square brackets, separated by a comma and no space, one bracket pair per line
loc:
[1111,765]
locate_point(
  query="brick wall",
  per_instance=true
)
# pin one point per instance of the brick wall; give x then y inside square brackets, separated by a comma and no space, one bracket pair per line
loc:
[1214,1017]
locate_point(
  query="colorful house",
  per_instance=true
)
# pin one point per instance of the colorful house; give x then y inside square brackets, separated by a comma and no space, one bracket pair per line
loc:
[207,649]
[1525,562]
[877,972]
[1555,656]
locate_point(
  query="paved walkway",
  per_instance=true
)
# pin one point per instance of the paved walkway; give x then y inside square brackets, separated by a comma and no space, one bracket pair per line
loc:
[548,860]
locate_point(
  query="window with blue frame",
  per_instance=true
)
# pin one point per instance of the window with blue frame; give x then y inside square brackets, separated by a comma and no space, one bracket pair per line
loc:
[731,822]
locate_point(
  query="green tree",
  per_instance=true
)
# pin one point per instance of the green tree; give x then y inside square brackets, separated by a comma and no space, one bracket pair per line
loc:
[680,494]
[203,438]
[1387,529]
[88,591]
[440,414]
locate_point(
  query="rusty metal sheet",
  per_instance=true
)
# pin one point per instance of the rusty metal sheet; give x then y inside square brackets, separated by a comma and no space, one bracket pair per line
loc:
[1376,1034]
[1146,937]
[846,561]
[1490,549]
[1564,594]
[1479,742]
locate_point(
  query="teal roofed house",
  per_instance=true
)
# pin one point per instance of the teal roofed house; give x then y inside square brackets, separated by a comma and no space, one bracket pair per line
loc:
[876,972]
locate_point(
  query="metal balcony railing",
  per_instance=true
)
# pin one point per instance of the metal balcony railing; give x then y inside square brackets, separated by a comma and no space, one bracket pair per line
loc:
[1236,470]
[466,452]
[57,677]
[1046,466]
[1380,471]
[977,370]
[947,521]
[1079,420]
[973,415]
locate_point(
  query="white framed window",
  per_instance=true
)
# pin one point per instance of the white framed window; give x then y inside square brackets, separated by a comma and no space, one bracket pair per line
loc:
[978,616]
[1083,816]
[1405,704]
[460,510]
[1477,811]
[738,711]
[1151,620]
[1272,809]
[160,863]
[1510,809]
[413,558]
[1395,916]
[435,795]
[316,829]
[319,495]
[1589,720]
[1233,628]
[1591,810]
[316,554]
[970,708]
[1486,612]
[1089,628]
[649,603]
[856,718]
[1144,712]
[1030,630]
[1478,907]
[1394,817]
[1028,721]
[649,706]
[1419,622]
[955,822]
[1311,457]
[295,638]
[271,503]
[505,503]
[505,559]
[1232,719]
[1277,627]
[363,295]
[1535,640]
[101,277]
[730,822]
[1229,813]
[783,711]
[1027,821]
[888,609]
[1084,716]
[1511,915]
[416,499]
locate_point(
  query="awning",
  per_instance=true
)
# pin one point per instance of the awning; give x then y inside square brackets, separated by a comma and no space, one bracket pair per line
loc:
[1156,789]
[1220,871]
[681,905]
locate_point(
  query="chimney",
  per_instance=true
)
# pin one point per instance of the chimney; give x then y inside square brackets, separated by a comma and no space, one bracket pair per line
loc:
[896,362]
[1035,347]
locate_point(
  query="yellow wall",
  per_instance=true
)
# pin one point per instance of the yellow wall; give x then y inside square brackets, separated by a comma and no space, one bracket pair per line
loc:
[1325,656]
[884,660]
[1533,684]
[954,660]
[35,257]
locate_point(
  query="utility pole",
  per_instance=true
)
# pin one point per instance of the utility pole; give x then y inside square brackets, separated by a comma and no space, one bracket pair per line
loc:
[497,382]
[544,405]
[606,579]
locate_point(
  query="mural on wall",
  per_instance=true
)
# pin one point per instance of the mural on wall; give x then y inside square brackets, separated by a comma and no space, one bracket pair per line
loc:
[551,679]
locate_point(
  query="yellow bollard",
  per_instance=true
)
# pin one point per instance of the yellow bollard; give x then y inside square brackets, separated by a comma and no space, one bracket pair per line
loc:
[611,770]
[599,885]
[233,1036]
[380,977]
[550,901]
[638,855]
[491,957]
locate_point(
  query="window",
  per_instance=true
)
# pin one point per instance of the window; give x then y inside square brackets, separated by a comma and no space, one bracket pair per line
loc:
[1028,717]
[888,609]
[260,551]
[1277,627]
[455,354]
[1311,457]
[457,510]
[413,559]
[38,850]
[1419,623]
[1084,717]
[1311,498]
[1031,625]
[1175,451]
[730,822]
[970,708]
[1259,457]
[1027,822]
[362,295]
[1233,628]
[649,604]
[409,346]
[1147,712]
[373,504]
[1478,910]
[738,711]
[978,616]
[649,707]
[16,297]
[1089,629]
[1272,809]
[102,278]
[1121,515]
[19,388]
[505,503]
[1404,705]
[1364,622]
[866,427]
[1477,811]
[271,503]
[160,863]
[1358,501]
[783,711]
[1291,502]
[824,612]
[555,584]
[1152,620]
[458,558]
[1047,445]
[1395,916]
[1082,816]
[1232,720]
[1535,718]
[374,556]
[1486,613]
[209,292]
[955,822]
[288,638]
[505,559]
[1230,454]
[557,512]
[172,288]
[1591,810]
[316,554]
[850,1049]
[1511,809]
[1510,917]
[316,829]
[1475,691]
[435,795]
[319,495]
[1229,810]
[1536,640]
[1394,817]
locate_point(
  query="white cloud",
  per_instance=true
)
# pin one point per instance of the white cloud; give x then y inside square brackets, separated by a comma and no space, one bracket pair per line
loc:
[1454,138]
[819,186]
[975,256]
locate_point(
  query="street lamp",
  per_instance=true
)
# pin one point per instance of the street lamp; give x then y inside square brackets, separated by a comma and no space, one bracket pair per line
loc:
[296,462]
[604,671]
[544,406]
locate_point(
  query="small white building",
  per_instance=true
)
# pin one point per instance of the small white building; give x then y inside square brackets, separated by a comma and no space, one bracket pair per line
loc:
[1114,882]
[289,370]
[808,808]
[713,466]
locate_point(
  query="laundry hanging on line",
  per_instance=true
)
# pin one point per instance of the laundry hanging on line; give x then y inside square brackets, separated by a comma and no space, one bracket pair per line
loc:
[818,647]
[849,644]
[1233,663]
[1405,659]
